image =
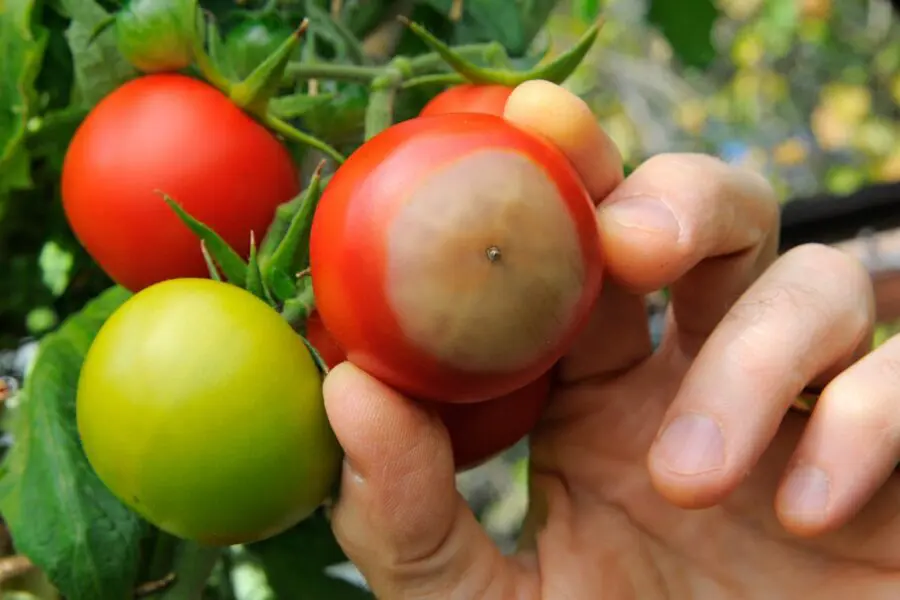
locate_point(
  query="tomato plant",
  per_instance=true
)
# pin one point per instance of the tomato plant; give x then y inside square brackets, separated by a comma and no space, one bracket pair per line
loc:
[478,430]
[201,409]
[455,256]
[180,410]
[181,136]
[469,98]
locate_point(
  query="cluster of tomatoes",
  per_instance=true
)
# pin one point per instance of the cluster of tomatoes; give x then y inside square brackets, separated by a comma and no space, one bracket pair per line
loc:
[449,259]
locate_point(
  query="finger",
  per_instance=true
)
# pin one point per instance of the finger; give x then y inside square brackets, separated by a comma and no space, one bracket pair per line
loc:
[850,447]
[811,309]
[399,516]
[677,210]
[567,121]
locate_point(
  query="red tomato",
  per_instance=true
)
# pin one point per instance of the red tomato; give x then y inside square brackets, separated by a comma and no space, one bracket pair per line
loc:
[469,98]
[455,257]
[479,430]
[181,136]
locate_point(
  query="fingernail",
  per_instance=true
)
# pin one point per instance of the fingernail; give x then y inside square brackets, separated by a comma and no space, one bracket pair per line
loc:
[806,491]
[647,213]
[690,445]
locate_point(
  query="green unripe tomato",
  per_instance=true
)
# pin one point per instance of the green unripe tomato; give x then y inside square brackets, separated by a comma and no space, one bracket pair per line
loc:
[201,409]
[158,35]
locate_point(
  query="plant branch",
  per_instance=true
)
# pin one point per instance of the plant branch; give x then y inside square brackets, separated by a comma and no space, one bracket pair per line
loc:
[295,135]
[317,70]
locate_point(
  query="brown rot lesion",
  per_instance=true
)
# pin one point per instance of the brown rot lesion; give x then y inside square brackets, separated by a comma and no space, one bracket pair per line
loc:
[493,254]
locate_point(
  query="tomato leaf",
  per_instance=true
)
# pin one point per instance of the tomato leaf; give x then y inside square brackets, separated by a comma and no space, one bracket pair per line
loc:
[233,266]
[58,511]
[23,51]
[688,27]
[282,284]
[99,67]
[295,563]
[291,255]
[339,35]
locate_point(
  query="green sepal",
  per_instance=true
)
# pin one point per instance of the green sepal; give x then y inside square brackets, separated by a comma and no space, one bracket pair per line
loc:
[282,284]
[254,282]
[291,255]
[210,263]
[233,266]
[254,92]
[297,309]
[317,358]
[556,71]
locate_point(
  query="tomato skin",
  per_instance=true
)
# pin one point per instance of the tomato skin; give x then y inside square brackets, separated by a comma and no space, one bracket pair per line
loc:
[201,409]
[181,136]
[478,430]
[469,98]
[481,430]
[356,275]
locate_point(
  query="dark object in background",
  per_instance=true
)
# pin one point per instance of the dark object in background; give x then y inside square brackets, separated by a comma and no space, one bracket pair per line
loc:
[827,218]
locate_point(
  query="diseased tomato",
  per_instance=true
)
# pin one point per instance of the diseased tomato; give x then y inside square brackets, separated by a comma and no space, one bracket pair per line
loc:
[478,430]
[455,257]
[181,136]
[200,408]
[469,98]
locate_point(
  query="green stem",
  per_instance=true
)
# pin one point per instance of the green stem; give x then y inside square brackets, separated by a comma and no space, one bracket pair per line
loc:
[435,79]
[380,111]
[193,566]
[426,63]
[292,133]
[298,308]
[316,70]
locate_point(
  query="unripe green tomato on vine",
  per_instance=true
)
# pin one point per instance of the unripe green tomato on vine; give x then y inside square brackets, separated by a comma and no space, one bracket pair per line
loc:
[201,409]
[158,35]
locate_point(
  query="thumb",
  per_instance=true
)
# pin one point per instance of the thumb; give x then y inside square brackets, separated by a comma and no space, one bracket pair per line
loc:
[399,517]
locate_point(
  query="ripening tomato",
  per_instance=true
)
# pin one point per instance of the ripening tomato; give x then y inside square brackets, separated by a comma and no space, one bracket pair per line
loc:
[181,136]
[455,257]
[478,430]
[469,98]
[201,409]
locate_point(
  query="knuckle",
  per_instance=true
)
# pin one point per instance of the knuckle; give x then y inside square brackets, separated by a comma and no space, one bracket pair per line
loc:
[842,279]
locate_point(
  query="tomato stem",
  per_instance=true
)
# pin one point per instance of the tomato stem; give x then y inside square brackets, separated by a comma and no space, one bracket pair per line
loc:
[435,79]
[295,135]
[317,70]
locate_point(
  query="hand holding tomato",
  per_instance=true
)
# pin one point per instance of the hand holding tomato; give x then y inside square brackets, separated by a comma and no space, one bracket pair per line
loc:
[670,473]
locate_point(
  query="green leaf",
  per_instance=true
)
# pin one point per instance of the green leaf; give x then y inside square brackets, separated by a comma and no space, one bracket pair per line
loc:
[233,266]
[56,265]
[99,67]
[58,511]
[295,563]
[335,32]
[687,25]
[23,51]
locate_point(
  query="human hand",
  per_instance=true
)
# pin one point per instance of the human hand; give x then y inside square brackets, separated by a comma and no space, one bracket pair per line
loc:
[676,473]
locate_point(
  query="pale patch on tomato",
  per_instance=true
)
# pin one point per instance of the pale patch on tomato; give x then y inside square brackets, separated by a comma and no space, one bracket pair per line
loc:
[486,237]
